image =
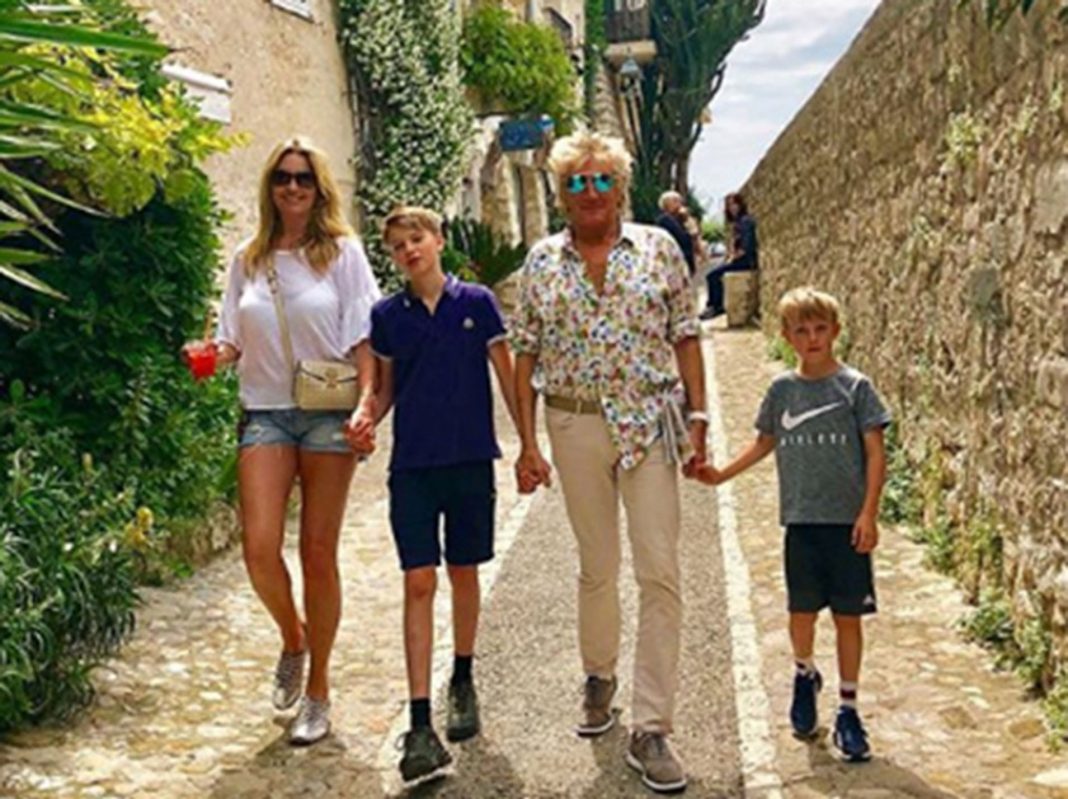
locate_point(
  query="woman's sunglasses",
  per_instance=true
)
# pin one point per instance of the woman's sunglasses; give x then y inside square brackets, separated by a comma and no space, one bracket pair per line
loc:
[282,177]
[602,182]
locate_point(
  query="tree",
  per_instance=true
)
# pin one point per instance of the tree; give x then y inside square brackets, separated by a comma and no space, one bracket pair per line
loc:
[693,39]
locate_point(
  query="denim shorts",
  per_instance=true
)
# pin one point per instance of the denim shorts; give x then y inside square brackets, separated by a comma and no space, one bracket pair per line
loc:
[315,431]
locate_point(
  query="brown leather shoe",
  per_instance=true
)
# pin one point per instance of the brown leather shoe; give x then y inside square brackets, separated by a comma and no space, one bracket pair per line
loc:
[597,715]
[650,754]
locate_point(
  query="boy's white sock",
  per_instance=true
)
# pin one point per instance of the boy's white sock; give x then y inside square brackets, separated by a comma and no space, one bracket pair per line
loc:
[847,694]
[806,666]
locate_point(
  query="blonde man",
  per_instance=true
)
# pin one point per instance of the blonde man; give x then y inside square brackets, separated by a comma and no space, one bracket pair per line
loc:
[605,327]
[306,249]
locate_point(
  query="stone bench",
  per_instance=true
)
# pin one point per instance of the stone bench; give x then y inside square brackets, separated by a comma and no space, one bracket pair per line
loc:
[741,295]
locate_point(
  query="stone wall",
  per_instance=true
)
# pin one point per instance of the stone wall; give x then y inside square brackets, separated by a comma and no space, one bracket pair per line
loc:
[926,184]
[286,76]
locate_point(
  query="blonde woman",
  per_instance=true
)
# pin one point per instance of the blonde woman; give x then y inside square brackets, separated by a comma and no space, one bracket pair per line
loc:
[606,328]
[327,289]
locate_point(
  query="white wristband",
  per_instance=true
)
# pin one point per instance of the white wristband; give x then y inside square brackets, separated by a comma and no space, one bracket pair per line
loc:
[697,416]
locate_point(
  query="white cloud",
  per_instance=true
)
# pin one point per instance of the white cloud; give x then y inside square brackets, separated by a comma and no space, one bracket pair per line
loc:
[769,77]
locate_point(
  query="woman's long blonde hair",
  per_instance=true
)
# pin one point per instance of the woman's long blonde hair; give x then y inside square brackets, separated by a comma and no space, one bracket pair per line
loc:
[325,226]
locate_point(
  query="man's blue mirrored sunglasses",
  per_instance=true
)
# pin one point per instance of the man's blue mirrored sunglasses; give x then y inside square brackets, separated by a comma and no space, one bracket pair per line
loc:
[602,182]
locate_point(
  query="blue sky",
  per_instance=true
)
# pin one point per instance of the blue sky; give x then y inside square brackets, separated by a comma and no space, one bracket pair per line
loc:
[769,78]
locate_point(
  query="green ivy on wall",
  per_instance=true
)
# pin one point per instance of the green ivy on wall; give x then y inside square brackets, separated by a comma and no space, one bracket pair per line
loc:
[520,67]
[415,125]
[596,44]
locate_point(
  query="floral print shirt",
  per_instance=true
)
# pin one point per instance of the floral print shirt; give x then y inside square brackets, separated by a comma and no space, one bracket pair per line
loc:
[616,347]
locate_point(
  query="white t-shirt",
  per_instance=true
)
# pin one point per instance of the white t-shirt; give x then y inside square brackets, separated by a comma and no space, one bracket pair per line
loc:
[328,314]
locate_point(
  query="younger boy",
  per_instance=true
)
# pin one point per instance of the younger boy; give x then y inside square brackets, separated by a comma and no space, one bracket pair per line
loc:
[432,340]
[825,423]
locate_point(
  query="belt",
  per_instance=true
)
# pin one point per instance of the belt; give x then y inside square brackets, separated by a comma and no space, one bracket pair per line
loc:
[572,405]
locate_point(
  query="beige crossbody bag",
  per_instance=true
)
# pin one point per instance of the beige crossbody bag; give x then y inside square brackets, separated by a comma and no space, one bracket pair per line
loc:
[317,385]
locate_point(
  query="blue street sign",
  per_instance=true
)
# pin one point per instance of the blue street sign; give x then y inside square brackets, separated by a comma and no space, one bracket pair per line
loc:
[521,134]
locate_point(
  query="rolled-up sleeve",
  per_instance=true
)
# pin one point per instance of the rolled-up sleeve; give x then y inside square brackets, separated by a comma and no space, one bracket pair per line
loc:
[682,302]
[359,292]
[228,331]
[525,324]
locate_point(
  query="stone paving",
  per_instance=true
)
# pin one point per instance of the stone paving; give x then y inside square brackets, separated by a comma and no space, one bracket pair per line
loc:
[185,712]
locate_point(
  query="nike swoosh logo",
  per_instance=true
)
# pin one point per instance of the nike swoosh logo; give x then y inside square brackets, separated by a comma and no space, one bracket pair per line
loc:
[790,422]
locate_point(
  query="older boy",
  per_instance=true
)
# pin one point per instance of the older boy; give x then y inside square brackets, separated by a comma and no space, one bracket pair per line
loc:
[432,340]
[825,423]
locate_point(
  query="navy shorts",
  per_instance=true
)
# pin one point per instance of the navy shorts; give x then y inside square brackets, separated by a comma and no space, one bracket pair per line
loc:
[823,569]
[465,495]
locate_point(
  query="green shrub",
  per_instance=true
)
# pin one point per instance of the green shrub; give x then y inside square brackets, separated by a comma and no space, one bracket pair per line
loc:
[520,65]
[105,363]
[97,380]
[66,574]
[1055,706]
[990,625]
[780,350]
[938,538]
[901,502]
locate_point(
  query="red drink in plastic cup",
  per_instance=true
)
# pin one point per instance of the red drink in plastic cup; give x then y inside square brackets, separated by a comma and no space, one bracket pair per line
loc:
[201,360]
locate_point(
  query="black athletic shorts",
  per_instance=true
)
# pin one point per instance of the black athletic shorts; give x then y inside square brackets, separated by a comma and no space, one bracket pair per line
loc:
[464,495]
[823,569]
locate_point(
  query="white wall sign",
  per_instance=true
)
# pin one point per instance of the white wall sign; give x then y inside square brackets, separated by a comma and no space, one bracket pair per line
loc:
[210,92]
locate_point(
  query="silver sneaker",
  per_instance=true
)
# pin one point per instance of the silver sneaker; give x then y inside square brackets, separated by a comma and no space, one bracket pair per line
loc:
[312,722]
[288,679]
[650,754]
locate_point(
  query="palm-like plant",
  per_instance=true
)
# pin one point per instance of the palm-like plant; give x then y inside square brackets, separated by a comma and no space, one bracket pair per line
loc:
[38,41]
[488,257]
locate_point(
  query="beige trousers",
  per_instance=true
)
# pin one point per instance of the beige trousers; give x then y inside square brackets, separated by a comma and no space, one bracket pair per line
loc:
[593,483]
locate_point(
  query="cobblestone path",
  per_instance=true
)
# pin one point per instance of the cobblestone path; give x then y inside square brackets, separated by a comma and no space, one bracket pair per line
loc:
[184,711]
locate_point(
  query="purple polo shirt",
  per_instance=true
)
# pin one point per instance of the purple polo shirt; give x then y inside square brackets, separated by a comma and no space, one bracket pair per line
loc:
[443,403]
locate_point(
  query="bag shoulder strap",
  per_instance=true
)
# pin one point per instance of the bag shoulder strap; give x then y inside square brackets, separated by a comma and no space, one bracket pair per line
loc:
[276,293]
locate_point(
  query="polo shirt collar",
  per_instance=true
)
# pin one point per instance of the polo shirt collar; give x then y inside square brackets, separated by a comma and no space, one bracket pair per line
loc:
[452,289]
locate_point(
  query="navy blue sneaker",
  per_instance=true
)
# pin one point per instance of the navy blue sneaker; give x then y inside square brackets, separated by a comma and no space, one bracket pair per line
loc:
[850,737]
[803,715]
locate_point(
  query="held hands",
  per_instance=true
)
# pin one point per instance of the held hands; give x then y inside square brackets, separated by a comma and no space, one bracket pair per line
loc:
[532,470]
[698,430]
[360,429]
[709,474]
[865,533]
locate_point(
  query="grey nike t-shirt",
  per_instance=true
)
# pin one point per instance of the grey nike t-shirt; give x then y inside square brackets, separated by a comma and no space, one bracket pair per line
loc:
[819,428]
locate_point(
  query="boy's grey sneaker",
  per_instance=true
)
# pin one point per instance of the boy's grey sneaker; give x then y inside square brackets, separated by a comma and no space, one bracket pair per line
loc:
[463,718]
[288,679]
[424,754]
[597,715]
[651,755]
[312,722]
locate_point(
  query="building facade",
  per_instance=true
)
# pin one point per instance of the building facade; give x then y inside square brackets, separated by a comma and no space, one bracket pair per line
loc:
[269,69]
[512,190]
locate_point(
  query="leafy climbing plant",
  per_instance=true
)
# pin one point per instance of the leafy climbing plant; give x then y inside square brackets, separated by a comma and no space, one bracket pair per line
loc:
[416,126]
